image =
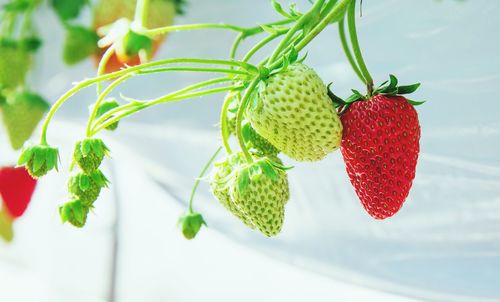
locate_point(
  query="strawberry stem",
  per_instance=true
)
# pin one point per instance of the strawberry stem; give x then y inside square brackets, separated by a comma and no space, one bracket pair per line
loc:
[347,50]
[239,118]
[202,174]
[351,22]
[102,65]
[223,123]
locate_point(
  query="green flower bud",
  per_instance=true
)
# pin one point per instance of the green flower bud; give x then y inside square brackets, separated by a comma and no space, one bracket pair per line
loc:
[190,224]
[39,159]
[106,106]
[87,187]
[89,153]
[74,212]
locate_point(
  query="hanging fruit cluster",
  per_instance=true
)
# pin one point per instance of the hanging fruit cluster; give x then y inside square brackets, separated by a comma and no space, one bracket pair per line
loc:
[278,106]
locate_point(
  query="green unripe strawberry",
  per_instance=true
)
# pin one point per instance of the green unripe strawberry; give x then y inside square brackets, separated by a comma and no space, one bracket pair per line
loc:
[15,62]
[39,159]
[106,106]
[257,142]
[261,191]
[190,224]
[87,187]
[293,112]
[89,153]
[220,186]
[74,212]
[21,114]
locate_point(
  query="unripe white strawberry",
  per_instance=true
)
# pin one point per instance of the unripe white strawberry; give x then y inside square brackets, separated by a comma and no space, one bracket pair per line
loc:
[293,111]
[260,190]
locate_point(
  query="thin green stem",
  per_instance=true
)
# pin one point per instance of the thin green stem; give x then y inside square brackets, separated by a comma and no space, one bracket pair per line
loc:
[299,25]
[164,100]
[236,44]
[347,51]
[198,180]
[223,123]
[239,118]
[101,68]
[195,69]
[101,97]
[351,22]
[261,44]
[194,87]
[141,12]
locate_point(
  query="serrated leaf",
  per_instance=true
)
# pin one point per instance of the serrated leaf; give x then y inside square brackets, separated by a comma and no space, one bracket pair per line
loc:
[84,182]
[415,103]
[408,88]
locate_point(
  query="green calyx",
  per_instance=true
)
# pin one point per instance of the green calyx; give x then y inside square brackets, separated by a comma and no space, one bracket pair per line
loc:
[89,153]
[39,159]
[106,106]
[389,88]
[87,188]
[74,212]
[262,167]
[190,224]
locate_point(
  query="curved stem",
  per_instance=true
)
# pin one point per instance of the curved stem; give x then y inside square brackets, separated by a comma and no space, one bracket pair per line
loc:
[223,123]
[141,12]
[347,51]
[202,173]
[351,22]
[305,19]
[239,118]
[261,44]
[101,97]
[102,65]
[114,111]
[236,44]
[162,101]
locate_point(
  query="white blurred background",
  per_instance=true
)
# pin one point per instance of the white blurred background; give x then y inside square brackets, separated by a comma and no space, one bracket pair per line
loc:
[444,245]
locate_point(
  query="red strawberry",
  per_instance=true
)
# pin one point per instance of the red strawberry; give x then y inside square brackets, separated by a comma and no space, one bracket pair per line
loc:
[380,146]
[16,189]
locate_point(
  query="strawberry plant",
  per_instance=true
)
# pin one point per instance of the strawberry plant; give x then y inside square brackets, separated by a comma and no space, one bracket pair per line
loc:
[278,106]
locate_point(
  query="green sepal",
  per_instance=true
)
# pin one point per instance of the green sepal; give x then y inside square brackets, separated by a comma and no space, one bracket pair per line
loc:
[268,169]
[243,180]
[84,182]
[415,103]
[133,43]
[279,9]
[190,224]
[39,159]
[74,212]
[408,89]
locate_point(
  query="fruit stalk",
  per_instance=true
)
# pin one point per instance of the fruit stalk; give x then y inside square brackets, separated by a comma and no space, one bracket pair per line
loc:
[351,21]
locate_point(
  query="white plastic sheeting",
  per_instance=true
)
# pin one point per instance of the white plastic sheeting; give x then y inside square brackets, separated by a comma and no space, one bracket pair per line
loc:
[444,245]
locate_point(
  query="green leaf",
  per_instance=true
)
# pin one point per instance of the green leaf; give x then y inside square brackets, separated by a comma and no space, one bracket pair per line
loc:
[408,88]
[17,6]
[81,42]
[68,9]
[415,103]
